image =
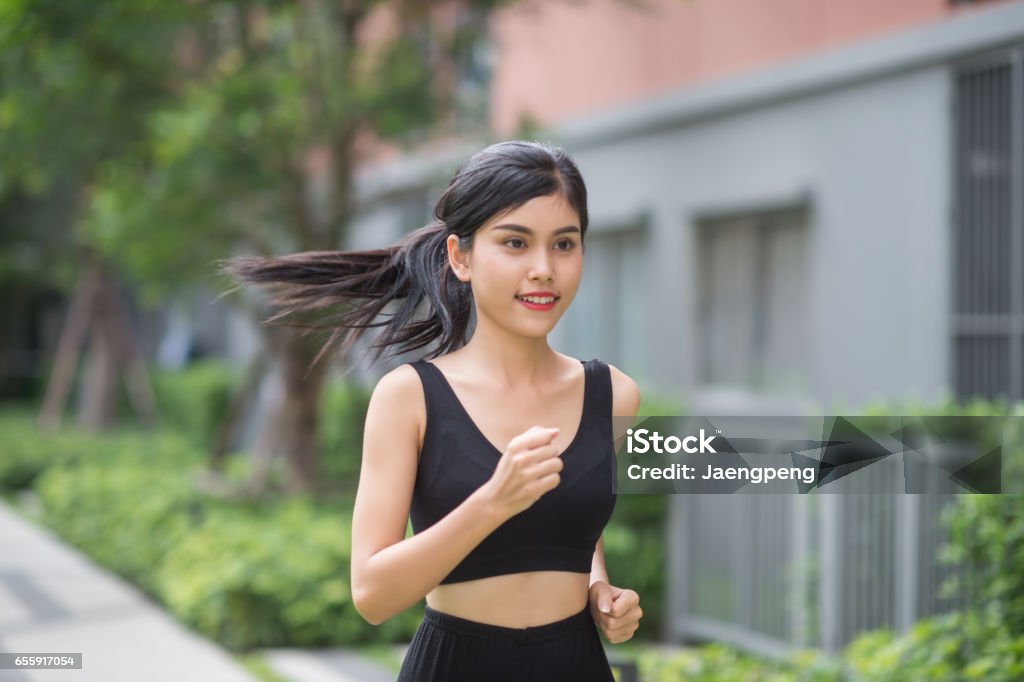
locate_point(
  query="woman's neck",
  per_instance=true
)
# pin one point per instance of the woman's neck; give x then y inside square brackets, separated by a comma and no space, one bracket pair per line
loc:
[513,361]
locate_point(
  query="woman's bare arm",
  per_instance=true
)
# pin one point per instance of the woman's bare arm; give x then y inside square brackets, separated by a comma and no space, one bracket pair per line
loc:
[625,403]
[391,573]
[598,571]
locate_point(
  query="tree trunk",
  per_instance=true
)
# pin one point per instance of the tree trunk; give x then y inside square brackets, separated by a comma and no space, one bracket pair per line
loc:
[129,354]
[241,401]
[300,411]
[76,325]
[266,446]
[289,427]
[97,406]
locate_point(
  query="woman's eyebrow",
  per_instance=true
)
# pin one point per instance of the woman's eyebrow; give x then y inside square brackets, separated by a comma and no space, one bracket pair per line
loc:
[522,229]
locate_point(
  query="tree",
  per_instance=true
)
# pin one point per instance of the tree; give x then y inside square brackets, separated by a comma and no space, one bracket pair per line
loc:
[77,84]
[257,153]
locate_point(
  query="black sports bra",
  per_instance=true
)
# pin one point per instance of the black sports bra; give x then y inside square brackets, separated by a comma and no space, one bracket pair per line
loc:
[559,532]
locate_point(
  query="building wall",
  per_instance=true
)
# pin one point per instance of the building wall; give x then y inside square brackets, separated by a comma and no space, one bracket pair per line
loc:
[872,163]
[560,60]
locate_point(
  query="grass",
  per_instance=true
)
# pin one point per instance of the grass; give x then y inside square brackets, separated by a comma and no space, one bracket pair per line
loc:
[387,655]
[258,667]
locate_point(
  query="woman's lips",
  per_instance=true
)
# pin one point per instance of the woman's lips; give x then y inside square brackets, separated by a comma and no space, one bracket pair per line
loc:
[538,306]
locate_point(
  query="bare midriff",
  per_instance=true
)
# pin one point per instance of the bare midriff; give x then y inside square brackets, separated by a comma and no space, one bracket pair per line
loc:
[515,600]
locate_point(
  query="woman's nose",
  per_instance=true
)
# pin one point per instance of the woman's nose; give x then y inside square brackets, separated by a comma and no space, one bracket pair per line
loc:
[541,269]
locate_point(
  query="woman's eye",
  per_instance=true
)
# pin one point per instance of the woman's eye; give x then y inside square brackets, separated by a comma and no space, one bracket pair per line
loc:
[561,245]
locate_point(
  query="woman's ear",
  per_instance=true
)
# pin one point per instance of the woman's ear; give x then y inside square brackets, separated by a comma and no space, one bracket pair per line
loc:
[458,259]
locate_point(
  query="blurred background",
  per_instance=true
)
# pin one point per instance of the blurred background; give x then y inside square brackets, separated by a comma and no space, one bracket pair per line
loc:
[797,207]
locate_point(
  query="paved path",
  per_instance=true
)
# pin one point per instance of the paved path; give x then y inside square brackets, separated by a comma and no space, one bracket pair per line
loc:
[54,599]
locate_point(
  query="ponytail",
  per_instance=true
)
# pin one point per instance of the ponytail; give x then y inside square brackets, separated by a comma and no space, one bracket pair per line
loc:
[361,284]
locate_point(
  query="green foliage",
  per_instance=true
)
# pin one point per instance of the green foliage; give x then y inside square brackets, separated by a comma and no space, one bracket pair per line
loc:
[718,663]
[952,648]
[270,577]
[22,456]
[25,452]
[194,400]
[652,404]
[135,484]
[185,129]
[342,416]
[268,573]
[949,648]
[634,550]
[76,82]
[228,162]
[987,539]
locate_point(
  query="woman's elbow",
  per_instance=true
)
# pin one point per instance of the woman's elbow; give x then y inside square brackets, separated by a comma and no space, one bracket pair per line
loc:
[366,606]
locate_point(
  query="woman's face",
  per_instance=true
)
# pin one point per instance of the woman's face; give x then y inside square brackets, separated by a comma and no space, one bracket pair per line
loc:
[532,252]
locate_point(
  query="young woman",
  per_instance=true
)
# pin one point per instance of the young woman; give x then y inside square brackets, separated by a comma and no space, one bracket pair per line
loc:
[498,447]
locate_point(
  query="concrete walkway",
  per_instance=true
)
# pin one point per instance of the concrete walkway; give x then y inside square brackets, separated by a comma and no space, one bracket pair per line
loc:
[53,599]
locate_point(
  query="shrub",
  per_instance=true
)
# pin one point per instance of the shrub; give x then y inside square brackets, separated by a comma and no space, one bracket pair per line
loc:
[716,663]
[126,504]
[194,400]
[271,578]
[261,573]
[634,550]
[342,416]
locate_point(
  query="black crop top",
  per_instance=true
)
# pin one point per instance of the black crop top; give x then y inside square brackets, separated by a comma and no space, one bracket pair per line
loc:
[559,532]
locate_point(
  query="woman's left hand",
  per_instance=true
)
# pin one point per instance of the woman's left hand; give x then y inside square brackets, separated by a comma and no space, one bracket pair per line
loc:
[615,610]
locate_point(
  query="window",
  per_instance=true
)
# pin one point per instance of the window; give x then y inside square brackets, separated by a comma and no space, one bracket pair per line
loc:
[752,307]
[988,230]
[609,319]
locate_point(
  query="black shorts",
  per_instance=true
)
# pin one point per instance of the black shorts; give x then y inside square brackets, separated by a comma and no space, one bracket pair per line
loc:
[447,648]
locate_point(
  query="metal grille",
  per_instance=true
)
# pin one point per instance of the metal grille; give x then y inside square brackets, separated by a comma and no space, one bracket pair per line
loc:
[988,240]
[770,573]
[752,312]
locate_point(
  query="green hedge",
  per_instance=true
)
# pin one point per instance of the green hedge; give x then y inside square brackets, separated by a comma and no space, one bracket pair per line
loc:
[951,648]
[125,502]
[278,576]
[194,400]
[248,575]
[720,663]
[342,416]
[21,461]
[634,550]
[273,573]
[956,647]
[25,452]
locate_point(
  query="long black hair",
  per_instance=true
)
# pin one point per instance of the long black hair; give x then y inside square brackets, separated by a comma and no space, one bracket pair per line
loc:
[361,284]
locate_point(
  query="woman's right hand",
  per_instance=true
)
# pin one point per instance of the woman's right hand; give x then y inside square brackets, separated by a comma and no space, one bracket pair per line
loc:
[527,469]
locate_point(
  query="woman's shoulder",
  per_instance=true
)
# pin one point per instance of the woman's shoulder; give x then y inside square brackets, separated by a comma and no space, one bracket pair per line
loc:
[625,392]
[400,393]
[401,379]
